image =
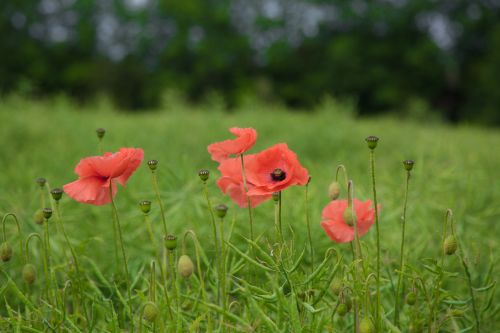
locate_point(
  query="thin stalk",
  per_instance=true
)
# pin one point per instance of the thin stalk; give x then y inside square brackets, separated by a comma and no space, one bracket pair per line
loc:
[223,273]
[377,312]
[402,255]
[125,264]
[248,198]
[355,282]
[308,222]
[160,203]
[214,229]
[172,270]
[150,230]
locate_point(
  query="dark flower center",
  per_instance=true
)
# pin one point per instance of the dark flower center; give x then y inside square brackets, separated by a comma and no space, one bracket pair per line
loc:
[278,175]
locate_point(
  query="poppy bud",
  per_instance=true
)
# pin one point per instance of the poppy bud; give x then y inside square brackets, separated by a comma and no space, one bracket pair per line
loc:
[56,194]
[336,286]
[203,174]
[29,273]
[38,217]
[150,311]
[221,210]
[366,326]
[185,266]
[334,190]
[372,142]
[348,216]
[408,164]
[47,213]
[170,242]
[187,305]
[411,298]
[41,181]
[342,309]
[276,196]
[5,252]
[152,164]
[100,132]
[450,245]
[145,206]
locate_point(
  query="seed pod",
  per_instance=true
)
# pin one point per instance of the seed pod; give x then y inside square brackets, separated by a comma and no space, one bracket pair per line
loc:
[5,252]
[336,286]
[411,298]
[56,194]
[170,242]
[41,181]
[150,311]
[185,266]
[348,216]
[334,190]
[100,132]
[366,326]
[342,309]
[450,245]
[47,213]
[408,164]
[38,217]
[152,164]
[29,273]
[145,206]
[372,142]
[204,174]
[221,210]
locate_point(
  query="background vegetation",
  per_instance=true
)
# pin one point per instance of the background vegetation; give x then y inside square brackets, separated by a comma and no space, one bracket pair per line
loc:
[422,59]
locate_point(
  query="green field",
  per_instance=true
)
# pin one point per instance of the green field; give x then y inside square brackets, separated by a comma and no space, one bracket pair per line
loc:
[456,167]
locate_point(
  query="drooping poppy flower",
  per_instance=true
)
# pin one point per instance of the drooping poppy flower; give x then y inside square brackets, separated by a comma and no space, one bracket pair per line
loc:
[334,224]
[273,170]
[96,174]
[245,139]
[231,182]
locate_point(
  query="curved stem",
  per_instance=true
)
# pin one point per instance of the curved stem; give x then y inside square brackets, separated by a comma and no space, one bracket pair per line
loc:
[160,203]
[342,168]
[402,255]
[377,313]
[18,231]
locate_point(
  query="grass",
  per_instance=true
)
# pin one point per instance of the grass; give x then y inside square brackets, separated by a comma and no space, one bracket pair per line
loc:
[455,167]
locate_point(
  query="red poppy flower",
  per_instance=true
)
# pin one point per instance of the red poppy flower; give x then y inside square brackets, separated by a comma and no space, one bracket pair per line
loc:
[245,139]
[97,173]
[273,170]
[231,182]
[335,226]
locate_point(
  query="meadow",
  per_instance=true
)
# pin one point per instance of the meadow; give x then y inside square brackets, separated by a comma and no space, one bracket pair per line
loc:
[456,167]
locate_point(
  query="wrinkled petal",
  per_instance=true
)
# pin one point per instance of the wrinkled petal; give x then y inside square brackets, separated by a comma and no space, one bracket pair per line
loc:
[236,191]
[135,157]
[245,139]
[91,190]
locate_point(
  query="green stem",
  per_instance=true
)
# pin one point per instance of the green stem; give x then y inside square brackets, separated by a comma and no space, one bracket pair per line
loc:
[223,273]
[248,198]
[311,248]
[402,255]
[214,229]
[150,230]
[355,283]
[377,312]
[124,256]
[175,293]
[160,203]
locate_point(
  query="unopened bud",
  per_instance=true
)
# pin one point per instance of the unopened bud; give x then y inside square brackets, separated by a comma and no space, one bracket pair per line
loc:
[29,273]
[38,217]
[152,164]
[41,181]
[47,213]
[336,286]
[185,266]
[366,326]
[5,252]
[408,164]
[150,311]
[56,194]
[348,216]
[372,142]
[145,206]
[221,210]
[450,245]
[342,309]
[204,174]
[334,190]
[411,298]
[170,242]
